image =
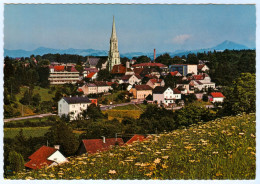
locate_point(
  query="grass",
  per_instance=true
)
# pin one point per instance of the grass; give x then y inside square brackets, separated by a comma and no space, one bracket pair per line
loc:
[27,131]
[111,97]
[131,107]
[219,149]
[120,114]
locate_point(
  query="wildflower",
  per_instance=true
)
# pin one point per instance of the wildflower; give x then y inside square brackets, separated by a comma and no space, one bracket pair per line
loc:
[193,149]
[191,161]
[148,174]
[164,166]
[241,133]
[181,172]
[29,178]
[253,153]
[129,160]
[52,175]
[252,135]
[218,174]
[158,152]
[112,172]
[143,165]
[165,157]
[215,152]
[157,161]
[137,163]
[249,148]
[187,147]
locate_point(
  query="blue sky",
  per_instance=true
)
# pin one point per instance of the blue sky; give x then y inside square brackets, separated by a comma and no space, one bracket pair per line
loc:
[140,28]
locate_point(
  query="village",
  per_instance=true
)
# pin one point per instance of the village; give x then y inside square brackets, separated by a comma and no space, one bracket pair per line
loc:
[144,83]
[59,108]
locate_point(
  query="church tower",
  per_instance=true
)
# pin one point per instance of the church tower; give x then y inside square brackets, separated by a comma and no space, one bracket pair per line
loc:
[113,55]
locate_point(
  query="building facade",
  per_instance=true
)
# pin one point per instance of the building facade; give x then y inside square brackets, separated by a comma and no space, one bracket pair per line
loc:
[113,54]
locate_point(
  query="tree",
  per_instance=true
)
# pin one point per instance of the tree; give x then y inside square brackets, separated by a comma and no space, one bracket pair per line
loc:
[94,112]
[62,134]
[36,99]
[26,98]
[79,68]
[16,161]
[103,75]
[143,59]
[241,96]
[164,59]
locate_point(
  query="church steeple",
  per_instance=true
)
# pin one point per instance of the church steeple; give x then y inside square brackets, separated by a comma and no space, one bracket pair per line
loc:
[113,34]
[113,55]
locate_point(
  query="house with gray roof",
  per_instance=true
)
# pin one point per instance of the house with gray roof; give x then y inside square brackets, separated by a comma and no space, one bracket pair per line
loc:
[73,106]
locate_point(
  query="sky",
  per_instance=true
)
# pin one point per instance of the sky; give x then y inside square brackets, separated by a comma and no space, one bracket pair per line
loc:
[140,28]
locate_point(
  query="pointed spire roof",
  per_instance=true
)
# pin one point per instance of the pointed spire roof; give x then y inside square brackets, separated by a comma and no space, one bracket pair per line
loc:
[113,35]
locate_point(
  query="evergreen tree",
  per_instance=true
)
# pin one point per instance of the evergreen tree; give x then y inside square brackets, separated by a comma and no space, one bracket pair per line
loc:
[16,161]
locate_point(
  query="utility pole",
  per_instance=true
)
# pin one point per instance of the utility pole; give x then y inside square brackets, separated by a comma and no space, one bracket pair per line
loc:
[22,110]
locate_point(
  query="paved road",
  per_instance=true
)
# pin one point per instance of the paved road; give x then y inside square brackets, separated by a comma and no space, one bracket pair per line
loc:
[29,117]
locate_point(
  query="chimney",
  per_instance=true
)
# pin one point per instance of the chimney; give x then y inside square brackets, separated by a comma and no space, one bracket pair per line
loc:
[104,139]
[154,55]
[57,147]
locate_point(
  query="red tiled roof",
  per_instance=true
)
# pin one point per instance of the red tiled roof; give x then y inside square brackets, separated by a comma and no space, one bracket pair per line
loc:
[90,75]
[143,87]
[151,76]
[174,73]
[156,80]
[59,68]
[39,158]
[198,77]
[138,70]
[149,64]
[118,69]
[80,90]
[217,95]
[136,138]
[176,91]
[95,145]
[110,83]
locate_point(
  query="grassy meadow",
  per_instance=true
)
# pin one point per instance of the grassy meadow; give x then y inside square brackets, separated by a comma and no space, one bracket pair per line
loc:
[219,149]
[27,131]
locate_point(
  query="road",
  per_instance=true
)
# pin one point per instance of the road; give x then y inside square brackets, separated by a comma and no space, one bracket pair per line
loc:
[29,117]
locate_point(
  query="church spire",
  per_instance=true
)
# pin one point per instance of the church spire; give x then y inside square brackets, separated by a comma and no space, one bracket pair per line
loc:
[113,35]
[113,55]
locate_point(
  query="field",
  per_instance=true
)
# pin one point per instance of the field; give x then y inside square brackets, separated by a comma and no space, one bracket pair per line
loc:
[121,114]
[220,149]
[27,131]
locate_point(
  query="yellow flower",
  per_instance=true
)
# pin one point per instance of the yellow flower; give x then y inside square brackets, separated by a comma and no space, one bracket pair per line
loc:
[187,147]
[165,157]
[191,161]
[112,172]
[215,152]
[137,163]
[157,161]
[181,172]
[149,174]
[143,165]
[164,166]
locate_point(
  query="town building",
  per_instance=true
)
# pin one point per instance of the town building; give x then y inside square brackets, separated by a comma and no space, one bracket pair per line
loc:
[92,76]
[73,106]
[63,74]
[131,79]
[166,95]
[155,82]
[184,69]
[91,146]
[216,97]
[113,55]
[45,157]
[140,92]
[203,68]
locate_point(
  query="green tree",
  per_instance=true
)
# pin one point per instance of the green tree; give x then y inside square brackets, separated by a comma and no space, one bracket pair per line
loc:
[143,59]
[241,96]
[62,134]
[16,161]
[103,75]
[164,59]
[36,99]
[94,112]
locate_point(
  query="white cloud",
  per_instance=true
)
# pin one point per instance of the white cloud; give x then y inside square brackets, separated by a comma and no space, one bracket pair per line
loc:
[180,39]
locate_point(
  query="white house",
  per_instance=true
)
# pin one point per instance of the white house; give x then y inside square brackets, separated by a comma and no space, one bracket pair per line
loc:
[203,68]
[131,79]
[89,88]
[165,95]
[102,87]
[45,157]
[73,106]
[216,97]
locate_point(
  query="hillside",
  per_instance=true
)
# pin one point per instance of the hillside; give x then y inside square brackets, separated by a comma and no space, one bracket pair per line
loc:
[220,149]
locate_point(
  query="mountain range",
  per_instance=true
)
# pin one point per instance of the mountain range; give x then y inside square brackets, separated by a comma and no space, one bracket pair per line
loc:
[92,52]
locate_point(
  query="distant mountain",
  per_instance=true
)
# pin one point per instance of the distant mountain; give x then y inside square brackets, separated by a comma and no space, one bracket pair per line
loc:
[92,52]
[230,45]
[43,50]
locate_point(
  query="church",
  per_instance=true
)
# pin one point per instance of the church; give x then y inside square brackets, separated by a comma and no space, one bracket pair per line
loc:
[113,54]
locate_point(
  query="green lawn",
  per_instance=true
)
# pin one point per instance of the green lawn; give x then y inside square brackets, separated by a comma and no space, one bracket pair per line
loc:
[111,97]
[131,107]
[43,92]
[27,131]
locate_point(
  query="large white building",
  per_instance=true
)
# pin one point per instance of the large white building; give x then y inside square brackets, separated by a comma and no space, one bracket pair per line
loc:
[63,74]
[165,95]
[113,55]
[73,106]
